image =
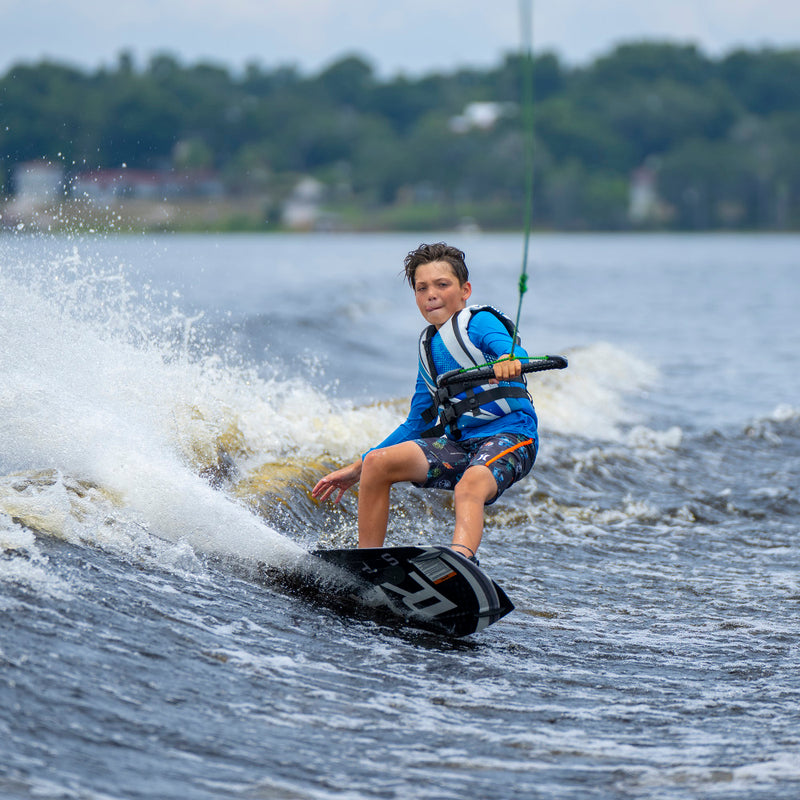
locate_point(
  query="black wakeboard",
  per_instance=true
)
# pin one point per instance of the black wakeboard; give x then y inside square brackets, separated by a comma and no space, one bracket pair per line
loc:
[429,584]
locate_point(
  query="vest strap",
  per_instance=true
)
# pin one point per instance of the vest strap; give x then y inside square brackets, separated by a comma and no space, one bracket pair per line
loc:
[446,406]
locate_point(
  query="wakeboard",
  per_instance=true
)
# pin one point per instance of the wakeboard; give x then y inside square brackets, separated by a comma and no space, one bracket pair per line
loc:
[432,585]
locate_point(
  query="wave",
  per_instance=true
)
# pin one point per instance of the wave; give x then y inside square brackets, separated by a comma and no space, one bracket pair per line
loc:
[125,428]
[88,395]
[588,398]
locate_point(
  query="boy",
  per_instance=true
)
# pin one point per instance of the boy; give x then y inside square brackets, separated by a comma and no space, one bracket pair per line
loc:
[483,444]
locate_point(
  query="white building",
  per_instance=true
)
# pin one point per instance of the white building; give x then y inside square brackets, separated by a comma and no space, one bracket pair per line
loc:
[302,208]
[37,184]
[643,202]
[481,116]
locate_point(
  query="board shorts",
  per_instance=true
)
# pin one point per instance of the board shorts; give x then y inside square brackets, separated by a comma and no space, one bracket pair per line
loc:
[509,456]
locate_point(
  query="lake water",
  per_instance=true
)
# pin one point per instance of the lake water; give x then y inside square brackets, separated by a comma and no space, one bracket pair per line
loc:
[167,402]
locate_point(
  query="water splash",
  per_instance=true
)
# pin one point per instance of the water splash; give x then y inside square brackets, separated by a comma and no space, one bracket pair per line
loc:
[106,384]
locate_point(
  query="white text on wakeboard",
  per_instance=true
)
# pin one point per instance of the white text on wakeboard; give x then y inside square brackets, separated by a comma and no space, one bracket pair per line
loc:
[427,601]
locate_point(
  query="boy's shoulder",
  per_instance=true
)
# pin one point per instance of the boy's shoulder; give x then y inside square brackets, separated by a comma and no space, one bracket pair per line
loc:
[486,315]
[487,325]
[472,320]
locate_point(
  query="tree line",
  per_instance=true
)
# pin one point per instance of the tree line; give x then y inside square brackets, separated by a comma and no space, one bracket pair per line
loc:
[653,135]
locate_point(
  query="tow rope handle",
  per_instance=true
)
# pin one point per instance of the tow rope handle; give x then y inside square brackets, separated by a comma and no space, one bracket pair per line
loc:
[475,376]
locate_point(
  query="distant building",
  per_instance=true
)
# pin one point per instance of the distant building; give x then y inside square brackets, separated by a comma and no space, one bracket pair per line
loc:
[643,202]
[480,115]
[109,185]
[37,184]
[302,208]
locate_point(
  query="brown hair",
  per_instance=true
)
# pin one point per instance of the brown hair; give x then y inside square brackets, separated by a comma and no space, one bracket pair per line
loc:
[427,253]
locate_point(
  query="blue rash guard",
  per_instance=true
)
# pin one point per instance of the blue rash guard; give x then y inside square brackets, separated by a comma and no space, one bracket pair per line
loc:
[490,335]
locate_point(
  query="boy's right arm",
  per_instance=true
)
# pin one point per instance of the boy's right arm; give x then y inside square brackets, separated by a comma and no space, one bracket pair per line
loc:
[341,479]
[414,425]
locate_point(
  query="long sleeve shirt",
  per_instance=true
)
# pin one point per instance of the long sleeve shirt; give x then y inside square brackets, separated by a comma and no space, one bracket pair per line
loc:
[490,335]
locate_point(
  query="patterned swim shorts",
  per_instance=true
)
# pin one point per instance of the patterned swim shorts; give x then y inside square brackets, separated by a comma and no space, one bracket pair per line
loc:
[509,456]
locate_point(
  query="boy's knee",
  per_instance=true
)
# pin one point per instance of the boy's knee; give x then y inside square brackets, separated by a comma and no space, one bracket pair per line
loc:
[379,465]
[477,484]
[394,464]
[372,465]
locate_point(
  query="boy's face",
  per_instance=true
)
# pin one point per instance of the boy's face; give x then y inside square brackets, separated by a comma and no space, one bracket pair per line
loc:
[438,293]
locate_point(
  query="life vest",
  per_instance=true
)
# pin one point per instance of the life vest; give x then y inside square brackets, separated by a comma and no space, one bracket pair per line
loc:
[459,408]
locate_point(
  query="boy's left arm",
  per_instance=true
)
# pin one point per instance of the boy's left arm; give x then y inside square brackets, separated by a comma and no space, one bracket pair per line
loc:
[509,369]
[492,337]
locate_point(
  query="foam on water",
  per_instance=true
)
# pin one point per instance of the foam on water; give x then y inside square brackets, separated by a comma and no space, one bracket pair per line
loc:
[24,564]
[587,398]
[112,409]
[80,398]
[654,640]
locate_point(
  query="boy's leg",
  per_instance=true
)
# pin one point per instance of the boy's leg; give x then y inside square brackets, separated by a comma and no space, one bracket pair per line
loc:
[498,462]
[476,487]
[383,468]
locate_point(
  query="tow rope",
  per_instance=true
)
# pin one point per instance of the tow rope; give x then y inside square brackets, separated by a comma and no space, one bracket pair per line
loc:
[526,62]
[526,26]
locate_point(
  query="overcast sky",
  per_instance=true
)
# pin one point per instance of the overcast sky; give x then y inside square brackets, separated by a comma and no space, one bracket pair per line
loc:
[410,36]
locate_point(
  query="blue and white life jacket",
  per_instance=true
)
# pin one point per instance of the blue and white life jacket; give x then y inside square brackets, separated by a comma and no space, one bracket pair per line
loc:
[457,408]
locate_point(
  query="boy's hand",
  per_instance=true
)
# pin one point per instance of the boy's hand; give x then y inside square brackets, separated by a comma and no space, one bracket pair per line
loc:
[508,369]
[342,479]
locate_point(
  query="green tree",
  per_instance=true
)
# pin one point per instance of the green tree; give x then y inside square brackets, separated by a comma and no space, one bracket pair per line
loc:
[766,81]
[347,82]
[724,132]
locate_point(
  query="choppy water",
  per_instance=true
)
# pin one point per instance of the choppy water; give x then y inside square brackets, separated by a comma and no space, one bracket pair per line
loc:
[165,405]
